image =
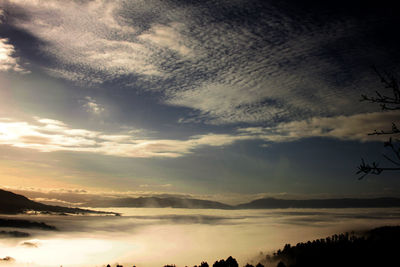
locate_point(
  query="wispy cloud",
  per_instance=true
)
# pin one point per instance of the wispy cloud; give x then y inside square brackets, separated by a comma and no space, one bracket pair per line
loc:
[355,127]
[54,201]
[51,135]
[155,186]
[8,60]
[48,135]
[92,106]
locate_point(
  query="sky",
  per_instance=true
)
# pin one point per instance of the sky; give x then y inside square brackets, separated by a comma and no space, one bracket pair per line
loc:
[225,100]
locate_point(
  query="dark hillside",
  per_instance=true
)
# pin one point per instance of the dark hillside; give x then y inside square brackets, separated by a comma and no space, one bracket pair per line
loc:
[377,247]
[11,203]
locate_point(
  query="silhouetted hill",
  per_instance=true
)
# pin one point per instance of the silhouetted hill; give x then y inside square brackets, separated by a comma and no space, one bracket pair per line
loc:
[377,247]
[158,202]
[11,203]
[273,203]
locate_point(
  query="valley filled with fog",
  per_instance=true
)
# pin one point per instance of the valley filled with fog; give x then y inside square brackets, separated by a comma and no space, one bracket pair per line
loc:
[155,237]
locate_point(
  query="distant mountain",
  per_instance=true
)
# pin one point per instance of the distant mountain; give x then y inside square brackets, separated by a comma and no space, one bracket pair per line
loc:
[157,202]
[11,203]
[265,203]
[273,203]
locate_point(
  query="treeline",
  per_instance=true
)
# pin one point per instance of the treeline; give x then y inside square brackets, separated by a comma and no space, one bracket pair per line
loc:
[229,262]
[377,247]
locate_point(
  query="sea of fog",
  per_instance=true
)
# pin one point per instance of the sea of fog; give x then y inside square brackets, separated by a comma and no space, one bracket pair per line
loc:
[185,237]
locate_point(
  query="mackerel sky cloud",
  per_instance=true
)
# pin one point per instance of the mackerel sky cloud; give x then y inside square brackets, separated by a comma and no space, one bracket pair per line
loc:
[172,80]
[260,65]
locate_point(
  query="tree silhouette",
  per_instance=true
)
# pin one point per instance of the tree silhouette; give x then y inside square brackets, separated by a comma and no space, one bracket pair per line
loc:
[202,264]
[230,262]
[377,247]
[388,102]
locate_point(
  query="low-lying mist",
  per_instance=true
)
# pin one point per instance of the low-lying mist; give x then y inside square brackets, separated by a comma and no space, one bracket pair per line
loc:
[155,237]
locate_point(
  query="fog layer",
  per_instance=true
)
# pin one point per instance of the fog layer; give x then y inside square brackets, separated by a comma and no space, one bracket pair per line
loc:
[155,237]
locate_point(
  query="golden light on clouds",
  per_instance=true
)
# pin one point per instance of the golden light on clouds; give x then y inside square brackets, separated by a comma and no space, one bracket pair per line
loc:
[46,135]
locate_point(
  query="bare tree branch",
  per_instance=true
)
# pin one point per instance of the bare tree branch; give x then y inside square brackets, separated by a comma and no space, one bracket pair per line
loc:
[387,102]
[394,130]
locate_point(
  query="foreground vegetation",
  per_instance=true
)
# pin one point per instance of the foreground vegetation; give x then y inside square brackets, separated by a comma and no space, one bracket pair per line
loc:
[377,247]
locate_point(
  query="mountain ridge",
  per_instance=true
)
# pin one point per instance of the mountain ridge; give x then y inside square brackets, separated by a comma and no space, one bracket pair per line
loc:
[263,203]
[11,203]
[159,202]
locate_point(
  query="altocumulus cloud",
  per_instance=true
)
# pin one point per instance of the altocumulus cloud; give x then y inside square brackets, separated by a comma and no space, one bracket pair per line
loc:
[231,61]
[355,127]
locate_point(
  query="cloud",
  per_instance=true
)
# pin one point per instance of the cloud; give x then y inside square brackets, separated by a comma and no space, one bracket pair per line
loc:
[48,135]
[355,127]
[91,41]
[219,103]
[92,106]
[51,135]
[230,61]
[56,202]
[155,185]
[192,219]
[167,36]
[1,15]
[8,60]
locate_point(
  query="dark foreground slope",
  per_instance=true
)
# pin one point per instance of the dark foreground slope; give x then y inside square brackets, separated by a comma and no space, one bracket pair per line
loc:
[377,247]
[11,203]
